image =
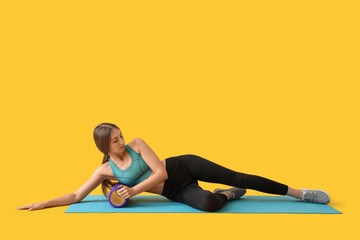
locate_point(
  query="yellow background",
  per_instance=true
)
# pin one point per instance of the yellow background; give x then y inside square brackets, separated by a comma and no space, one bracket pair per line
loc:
[262,87]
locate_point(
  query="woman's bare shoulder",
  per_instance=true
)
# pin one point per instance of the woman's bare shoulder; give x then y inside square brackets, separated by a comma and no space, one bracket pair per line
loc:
[106,172]
[134,144]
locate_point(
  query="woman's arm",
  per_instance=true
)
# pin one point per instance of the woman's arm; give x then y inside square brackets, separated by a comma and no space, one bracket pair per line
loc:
[96,178]
[153,161]
[60,201]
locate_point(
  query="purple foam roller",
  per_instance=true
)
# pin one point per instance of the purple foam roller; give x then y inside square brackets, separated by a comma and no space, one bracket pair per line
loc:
[115,199]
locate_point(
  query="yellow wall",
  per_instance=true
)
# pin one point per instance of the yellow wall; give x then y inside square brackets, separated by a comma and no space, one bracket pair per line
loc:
[263,87]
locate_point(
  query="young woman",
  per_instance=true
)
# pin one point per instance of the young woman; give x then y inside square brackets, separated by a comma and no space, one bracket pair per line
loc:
[176,178]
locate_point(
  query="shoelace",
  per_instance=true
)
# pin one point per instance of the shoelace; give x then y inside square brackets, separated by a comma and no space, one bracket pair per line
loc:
[310,196]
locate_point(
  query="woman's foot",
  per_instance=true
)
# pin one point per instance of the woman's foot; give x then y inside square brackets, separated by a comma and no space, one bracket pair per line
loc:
[233,193]
[315,196]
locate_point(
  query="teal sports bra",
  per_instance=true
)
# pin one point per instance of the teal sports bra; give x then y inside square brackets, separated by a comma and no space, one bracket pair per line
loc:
[137,172]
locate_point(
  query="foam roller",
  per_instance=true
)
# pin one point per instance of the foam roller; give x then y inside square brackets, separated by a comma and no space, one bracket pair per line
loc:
[115,199]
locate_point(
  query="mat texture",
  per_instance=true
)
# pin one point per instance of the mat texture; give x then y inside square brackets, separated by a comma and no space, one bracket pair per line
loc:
[160,204]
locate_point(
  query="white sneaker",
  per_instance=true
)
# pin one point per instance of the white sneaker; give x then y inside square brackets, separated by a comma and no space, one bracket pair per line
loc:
[315,196]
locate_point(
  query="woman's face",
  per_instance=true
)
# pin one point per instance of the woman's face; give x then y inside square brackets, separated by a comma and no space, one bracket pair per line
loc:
[117,142]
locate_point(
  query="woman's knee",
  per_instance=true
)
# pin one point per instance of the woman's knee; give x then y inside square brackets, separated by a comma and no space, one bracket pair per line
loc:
[209,203]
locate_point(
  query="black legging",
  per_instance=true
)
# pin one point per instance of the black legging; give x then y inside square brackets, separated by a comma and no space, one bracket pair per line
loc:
[184,171]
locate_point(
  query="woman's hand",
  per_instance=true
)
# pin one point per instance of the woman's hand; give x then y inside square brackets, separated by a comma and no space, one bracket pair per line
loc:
[33,206]
[126,192]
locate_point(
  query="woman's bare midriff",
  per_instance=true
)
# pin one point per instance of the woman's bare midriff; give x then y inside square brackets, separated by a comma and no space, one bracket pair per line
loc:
[157,189]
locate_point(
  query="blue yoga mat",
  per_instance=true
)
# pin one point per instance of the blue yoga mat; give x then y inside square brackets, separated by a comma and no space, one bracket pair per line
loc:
[160,204]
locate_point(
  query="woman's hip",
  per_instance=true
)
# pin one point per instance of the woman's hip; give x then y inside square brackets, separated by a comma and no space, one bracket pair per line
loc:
[178,177]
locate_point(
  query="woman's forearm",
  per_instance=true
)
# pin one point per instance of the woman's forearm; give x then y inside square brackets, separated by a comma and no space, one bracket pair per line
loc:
[150,182]
[60,201]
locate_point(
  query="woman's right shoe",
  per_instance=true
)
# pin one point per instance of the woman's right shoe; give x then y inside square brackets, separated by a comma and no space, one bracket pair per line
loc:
[235,193]
[315,196]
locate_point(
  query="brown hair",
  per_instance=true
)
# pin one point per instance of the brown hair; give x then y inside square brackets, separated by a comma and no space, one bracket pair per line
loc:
[101,135]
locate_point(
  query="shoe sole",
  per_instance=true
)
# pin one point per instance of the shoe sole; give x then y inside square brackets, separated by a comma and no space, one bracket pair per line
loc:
[219,190]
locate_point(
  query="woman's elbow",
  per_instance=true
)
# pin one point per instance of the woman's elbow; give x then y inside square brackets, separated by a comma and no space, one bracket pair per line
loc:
[164,174]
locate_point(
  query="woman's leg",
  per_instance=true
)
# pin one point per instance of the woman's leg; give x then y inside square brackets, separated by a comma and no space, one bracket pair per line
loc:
[204,200]
[207,171]
[297,193]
